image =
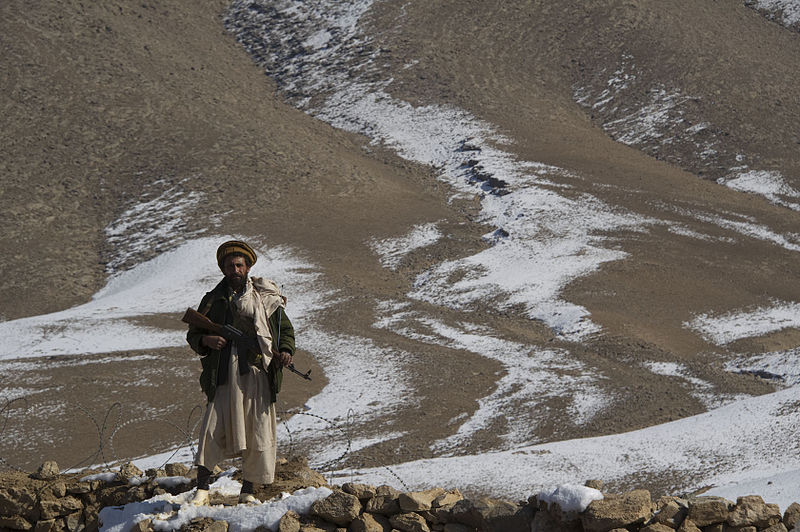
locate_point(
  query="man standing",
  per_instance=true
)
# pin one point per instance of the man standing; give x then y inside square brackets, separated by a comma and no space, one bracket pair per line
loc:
[241,384]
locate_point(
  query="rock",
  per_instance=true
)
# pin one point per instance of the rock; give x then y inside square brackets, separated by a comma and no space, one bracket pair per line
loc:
[57,489]
[409,522]
[656,527]
[777,527]
[47,471]
[74,521]
[218,526]
[617,512]
[719,527]
[16,522]
[339,508]
[387,491]
[492,515]
[546,521]
[671,514]
[44,525]
[688,526]
[19,501]
[290,522]
[448,498]
[704,511]
[791,516]
[367,522]
[155,473]
[202,524]
[176,470]
[752,511]
[142,526]
[596,484]
[458,527]
[362,491]
[52,508]
[417,501]
[383,504]
[79,488]
[128,471]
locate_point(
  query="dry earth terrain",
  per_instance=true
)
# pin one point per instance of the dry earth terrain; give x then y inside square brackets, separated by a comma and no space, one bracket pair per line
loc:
[106,104]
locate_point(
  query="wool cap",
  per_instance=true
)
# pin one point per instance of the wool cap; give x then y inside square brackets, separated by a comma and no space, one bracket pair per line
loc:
[235,246]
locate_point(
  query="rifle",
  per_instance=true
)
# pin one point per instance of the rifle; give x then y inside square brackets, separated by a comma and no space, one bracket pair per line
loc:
[231,333]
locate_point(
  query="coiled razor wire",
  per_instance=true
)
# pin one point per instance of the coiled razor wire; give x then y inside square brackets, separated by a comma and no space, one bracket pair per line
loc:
[345,431]
[328,466]
[112,425]
[6,413]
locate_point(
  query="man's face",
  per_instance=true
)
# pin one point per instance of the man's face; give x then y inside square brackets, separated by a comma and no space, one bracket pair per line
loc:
[235,270]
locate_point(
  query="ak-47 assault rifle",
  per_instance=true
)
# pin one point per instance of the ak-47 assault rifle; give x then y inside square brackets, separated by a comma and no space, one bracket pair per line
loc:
[231,333]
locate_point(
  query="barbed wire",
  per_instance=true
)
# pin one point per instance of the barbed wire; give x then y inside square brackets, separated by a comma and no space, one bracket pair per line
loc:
[105,456]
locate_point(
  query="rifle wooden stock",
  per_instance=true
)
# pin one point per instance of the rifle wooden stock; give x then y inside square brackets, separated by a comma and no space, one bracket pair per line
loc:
[192,317]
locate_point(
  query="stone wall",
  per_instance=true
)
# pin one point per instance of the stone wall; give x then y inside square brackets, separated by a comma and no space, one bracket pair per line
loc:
[47,501]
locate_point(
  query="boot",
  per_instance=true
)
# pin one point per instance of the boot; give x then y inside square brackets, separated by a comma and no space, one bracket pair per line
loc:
[200,498]
[246,495]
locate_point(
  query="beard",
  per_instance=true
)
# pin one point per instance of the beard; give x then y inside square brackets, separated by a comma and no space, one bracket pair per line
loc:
[236,282]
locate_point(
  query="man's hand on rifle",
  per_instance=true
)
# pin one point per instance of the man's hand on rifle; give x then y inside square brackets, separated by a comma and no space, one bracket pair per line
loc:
[214,342]
[285,358]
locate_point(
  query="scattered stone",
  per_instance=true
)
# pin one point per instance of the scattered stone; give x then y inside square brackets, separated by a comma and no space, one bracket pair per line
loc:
[74,521]
[47,471]
[362,491]
[383,504]
[671,514]
[617,512]
[367,522]
[777,527]
[457,527]
[44,525]
[339,508]
[16,522]
[492,515]
[791,516]
[417,501]
[155,473]
[56,489]
[688,526]
[201,524]
[128,471]
[657,527]
[753,511]
[52,508]
[176,470]
[448,498]
[719,527]
[290,522]
[18,500]
[596,484]
[387,491]
[549,522]
[81,488]
[409,522]
[706,510]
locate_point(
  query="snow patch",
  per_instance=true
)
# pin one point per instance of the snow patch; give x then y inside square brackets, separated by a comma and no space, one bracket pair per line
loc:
[392,250]
[571,497]
[726,328]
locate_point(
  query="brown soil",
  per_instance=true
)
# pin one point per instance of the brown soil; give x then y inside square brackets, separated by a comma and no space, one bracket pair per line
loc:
[106,100]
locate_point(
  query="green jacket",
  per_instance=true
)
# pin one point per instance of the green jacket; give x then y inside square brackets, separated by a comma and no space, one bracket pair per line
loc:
[215,305]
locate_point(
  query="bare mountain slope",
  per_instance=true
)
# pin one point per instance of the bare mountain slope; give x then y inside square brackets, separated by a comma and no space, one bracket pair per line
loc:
[531,237]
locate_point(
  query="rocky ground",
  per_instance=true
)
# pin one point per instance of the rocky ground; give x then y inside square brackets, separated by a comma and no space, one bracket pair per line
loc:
[48,501]
[107,104]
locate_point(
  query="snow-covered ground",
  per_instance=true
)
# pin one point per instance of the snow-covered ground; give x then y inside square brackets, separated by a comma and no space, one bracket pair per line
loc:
[543,240]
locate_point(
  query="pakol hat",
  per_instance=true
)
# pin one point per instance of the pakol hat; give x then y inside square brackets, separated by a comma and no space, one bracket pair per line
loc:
[235,246]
